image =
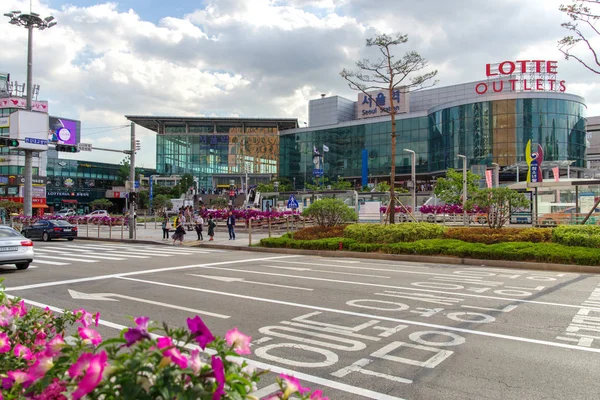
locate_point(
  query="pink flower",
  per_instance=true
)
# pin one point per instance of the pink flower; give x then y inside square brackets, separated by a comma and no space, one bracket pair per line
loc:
[89,335]
[200,330]
[54,346]
[20,309]
[292,385]
[4,343]
[318,395]
[239,341]
[163,342]
[40,338]
[219,371]
[84,317]
[17,377]
[138,333]
[195,362]
[53,391]
[42,365]
[22,352]
[172,353]
[93,367]
[97,318]
[6,316]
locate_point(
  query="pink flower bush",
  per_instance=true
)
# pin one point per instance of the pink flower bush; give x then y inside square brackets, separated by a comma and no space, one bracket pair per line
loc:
[91,366]
[238,341]
[200,330]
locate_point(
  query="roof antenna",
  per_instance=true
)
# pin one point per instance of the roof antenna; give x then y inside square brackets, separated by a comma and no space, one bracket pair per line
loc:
[323,95]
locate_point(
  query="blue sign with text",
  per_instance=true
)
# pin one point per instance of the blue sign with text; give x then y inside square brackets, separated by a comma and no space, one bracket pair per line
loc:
[292,202]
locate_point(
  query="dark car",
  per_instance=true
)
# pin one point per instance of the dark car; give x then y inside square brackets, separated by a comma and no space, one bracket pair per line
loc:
[50,229]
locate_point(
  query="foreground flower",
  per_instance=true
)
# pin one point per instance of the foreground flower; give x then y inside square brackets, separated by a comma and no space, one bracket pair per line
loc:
[84,317]
[292,385]
[54,346]
[172,354]
[42,365]
[89,336]
[195,362]
[17,377]
[93,366]
[23,352]
[219,371]
[4,343]
[6,316]
[239,341]
[200,330]
[138,333]
[318,395]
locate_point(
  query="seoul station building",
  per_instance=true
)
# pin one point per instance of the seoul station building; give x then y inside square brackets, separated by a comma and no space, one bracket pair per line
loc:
[489,121]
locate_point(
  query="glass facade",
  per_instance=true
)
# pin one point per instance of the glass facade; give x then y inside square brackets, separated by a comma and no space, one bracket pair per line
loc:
[486,132]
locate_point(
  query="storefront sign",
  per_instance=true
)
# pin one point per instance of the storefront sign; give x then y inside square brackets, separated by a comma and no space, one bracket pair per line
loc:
[534,163]
[21,102]
[4,122]
[377,103]
[521,76]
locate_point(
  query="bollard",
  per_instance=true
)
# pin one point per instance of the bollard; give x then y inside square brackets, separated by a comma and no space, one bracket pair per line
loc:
[249,232]
[98,228]
[109,229]
[154,220]
[303,223]
[122,227]
[287,225]
[269,226]
[87,228]
[144,219]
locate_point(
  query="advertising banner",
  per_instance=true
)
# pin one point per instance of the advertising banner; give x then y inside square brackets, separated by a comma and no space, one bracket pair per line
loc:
[30,128]
[64,131]
[21,102]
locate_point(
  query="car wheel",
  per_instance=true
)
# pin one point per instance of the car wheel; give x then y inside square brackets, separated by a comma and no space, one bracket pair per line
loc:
[22,266]
[45,237]
[70,239]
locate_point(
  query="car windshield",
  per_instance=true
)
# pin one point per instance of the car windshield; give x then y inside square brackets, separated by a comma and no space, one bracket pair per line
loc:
[60,223]
[8,233]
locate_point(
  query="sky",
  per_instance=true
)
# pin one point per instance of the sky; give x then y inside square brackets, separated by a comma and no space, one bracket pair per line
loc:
[257,58]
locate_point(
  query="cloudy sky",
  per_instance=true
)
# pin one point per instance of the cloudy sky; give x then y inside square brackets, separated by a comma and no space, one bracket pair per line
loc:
[257,58]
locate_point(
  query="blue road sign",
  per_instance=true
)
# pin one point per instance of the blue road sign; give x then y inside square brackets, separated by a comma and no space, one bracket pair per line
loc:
[292,202]
[136,184]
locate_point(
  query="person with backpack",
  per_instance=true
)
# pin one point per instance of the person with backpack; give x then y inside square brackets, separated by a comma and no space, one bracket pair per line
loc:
[179,232]
[211,227]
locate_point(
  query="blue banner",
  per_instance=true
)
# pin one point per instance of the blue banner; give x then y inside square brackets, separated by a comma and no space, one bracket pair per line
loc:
[150,194]
[365,167]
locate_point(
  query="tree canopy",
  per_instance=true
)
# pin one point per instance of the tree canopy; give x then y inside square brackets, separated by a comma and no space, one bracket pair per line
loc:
[449,189]
[584,16]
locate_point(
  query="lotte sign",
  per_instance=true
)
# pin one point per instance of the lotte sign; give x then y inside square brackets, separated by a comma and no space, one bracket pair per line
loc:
[521,76]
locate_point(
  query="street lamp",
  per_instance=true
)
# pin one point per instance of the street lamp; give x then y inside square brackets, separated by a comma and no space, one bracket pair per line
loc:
[464,202]
[413,178]
[29,21]
[496,173]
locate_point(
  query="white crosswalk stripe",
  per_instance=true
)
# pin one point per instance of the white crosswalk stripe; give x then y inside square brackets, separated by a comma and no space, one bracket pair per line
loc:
[64,255]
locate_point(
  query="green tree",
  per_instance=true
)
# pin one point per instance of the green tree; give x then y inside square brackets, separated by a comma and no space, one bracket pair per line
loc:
[101,204]
[389,75]
[162,202]
[449,189]
[143,199]
[330,212]
[186,182]
[583,26]
[498,202]
[341,184]
[11,206]
[219,202]
[166,190]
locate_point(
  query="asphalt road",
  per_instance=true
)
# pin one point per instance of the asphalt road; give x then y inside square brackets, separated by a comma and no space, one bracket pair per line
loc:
[358,329]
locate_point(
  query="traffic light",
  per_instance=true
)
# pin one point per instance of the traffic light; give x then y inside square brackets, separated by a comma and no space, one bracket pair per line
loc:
[133,197]
[67,148]
[138,145]
[9,142]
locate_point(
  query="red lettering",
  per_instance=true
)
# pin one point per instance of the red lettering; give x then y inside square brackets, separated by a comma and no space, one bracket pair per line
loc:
[525,85]
[523,65]
[513,84]
[503,71]
[551,67]
[552,82]
[478,90]
[539,84]
[501,86]
[563,88]
[488,71]
[538,65]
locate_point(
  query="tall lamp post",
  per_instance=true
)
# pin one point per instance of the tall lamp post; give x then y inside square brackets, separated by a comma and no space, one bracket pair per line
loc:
[464,202]
[413,178]
[29,21]
[496,174]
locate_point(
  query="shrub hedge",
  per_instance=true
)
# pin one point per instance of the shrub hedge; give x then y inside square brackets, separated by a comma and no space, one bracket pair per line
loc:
[491,236]
[514,251]
[577,235]
[320,232]
[407,232]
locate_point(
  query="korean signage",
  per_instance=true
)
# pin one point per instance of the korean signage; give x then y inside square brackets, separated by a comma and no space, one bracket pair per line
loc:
[21,102]
[4,122]
[521,76]
[378,103]
[534,163]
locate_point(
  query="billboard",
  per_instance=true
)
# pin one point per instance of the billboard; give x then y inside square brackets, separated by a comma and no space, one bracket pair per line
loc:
[64,131]
[31,129]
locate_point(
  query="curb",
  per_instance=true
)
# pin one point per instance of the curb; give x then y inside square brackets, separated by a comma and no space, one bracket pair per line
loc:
[388,257]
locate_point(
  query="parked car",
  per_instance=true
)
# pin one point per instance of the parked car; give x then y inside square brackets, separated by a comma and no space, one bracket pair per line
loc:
[98,213]
[64,213]
[14,248]
[50,229]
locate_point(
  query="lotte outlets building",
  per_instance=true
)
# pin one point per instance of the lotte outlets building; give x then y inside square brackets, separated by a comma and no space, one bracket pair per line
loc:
[488,121]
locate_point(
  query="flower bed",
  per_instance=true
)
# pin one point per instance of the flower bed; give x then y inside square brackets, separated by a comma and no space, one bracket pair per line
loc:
[38,361]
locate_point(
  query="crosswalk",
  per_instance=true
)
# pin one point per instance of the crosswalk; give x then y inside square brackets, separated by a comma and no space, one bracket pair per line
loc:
[67,254]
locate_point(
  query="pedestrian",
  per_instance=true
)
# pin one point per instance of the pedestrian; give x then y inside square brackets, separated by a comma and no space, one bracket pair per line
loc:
[179,232]
[231,225]
[166,227]
[211,227]
[199,226]
[188,217]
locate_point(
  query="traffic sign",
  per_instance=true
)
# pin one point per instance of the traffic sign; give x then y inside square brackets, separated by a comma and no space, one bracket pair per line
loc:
[292,202]
[136,184]
[84,147]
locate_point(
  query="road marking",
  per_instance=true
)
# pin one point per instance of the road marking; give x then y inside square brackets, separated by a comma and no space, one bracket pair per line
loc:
[93,251]
[82,255]
[325,272]
[312,278]
[67,258]
[289,268]
[48,262]
[371,316]
[370,394]
[267,390]
[242,280]
[147,271]
[107,297]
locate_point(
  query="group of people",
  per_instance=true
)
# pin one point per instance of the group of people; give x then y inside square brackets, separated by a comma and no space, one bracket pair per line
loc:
[182,220]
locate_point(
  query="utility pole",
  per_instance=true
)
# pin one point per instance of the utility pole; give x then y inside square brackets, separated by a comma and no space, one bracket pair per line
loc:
[132,183]
[464,202]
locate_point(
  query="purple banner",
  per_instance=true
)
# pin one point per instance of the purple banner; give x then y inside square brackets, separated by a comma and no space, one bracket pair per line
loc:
[64,131]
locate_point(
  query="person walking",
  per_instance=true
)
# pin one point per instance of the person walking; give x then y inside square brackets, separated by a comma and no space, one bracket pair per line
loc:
[211,227]
[231,225]
[166,227]
[188,218]
[179,232]
[199,226]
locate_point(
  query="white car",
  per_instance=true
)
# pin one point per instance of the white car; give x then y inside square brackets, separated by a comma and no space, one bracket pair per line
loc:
[98,213]
[15,248]
[64,213]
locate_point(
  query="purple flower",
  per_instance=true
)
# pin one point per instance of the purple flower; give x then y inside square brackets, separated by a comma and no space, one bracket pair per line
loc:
[219,371]
[138,333]
[93,366]
[200,331]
